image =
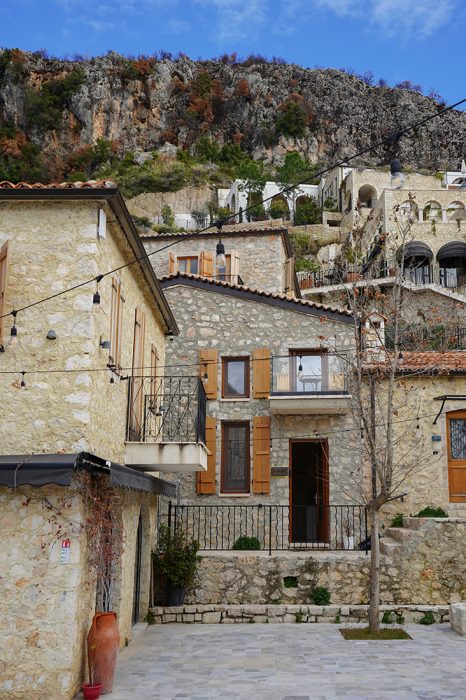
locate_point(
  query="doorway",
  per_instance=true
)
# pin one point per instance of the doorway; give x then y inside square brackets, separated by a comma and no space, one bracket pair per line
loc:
[137,573]
[309,491]
[456,437]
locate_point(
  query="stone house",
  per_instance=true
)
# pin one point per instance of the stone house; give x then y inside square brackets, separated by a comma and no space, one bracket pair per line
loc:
[258,255]
[274,372]
[80,374]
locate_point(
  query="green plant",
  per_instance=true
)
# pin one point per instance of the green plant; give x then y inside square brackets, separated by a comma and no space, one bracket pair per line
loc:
[247,543]
[306,265]
[387,617]
[299,616]
[44,107]
[251,621]
[330,204]
[427,619]
[431,512]
[320,595]
[176,556]
[150,618]
[168,217]
[279,209]
[292,119]
[290,582]
[141,220]
[337,619]
[397,520]
[307,212]
[400,618]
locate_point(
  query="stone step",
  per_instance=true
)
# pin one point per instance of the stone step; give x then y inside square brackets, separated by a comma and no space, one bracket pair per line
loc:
[401,534]
[389,547]
[413,523]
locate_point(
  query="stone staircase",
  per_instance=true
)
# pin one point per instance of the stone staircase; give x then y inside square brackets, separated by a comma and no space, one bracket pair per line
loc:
[414,529]
[395,538]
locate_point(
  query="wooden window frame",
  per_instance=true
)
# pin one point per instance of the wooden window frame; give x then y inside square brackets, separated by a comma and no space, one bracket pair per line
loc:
[225,425]
[247,378]
[187,258]
[116,325]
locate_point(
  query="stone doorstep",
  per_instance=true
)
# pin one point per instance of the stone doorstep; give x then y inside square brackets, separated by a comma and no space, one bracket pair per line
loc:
[231,614]
[458,618]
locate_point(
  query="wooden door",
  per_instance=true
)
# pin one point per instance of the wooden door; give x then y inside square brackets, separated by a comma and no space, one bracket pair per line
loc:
[309,507]
[456,440]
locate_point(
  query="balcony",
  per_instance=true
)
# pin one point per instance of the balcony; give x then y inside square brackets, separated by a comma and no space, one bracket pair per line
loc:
[308,383]
[165,428]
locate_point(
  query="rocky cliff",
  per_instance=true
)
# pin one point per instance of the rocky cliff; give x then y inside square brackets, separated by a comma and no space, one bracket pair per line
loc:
[51,111]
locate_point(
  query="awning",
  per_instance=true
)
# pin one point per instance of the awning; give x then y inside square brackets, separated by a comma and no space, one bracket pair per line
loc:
[418,249]
[455,249]
[43,469]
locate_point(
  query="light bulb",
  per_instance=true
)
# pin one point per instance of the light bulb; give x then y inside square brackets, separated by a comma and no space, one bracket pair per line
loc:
[221,260]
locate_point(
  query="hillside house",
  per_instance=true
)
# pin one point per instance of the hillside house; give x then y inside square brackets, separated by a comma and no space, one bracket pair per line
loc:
[79,376]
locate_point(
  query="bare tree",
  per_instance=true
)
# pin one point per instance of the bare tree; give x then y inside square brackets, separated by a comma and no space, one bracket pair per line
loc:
[386,437]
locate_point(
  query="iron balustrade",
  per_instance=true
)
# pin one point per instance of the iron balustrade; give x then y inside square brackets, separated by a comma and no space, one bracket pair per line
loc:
[166,409]
[217,527]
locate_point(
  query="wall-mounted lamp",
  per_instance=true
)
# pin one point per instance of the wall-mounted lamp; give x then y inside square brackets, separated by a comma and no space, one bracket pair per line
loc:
[51,335]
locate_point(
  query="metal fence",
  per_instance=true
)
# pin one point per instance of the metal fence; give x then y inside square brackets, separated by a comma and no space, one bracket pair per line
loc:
[218,527]
[440,338]
[166,409]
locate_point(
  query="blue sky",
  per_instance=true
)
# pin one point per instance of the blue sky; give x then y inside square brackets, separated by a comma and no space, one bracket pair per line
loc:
[417,40]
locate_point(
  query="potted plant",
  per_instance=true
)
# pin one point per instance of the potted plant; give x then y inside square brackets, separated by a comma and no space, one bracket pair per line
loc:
[176,559]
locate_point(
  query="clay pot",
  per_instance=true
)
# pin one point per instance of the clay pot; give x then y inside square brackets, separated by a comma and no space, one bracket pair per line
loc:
[91,692]
[103,642]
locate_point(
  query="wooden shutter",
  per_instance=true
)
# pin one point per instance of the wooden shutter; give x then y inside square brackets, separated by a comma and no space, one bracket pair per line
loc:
[261,456]
[206,265]
[3,280]
[234,268]
[261,373]
[172,265]
[208,366]
[205,481]
[289,277]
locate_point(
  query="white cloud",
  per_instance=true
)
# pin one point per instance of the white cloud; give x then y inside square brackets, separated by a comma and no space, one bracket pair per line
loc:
[402,18]
[237,19]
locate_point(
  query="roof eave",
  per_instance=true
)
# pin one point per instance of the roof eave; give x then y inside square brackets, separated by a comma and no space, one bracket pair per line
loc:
[113,196]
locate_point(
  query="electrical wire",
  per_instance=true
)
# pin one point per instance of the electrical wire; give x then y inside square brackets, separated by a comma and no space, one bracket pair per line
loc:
[392,138]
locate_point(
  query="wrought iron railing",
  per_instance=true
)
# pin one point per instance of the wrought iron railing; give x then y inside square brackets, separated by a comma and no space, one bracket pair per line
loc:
[276,527]
[306,373]
[440,338]
[166,409]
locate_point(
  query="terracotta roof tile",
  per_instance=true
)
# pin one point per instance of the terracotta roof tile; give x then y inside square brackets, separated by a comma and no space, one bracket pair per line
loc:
[213,231]
[94,184]
[243,288]
[432,362]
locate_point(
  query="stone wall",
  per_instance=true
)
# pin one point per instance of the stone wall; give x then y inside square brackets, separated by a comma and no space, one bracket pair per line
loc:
[261,255]
[338,614]
[52,246]
[46,607]
[182,202]
[427,569]
[234,326]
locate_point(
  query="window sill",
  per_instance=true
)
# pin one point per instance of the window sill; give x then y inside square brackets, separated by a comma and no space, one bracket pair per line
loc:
[241,398]
[234,495]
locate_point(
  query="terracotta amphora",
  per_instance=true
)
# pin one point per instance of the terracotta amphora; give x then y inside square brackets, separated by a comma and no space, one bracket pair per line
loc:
[103,642]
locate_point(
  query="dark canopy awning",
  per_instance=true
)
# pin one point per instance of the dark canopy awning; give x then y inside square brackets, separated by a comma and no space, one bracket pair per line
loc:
[455,249]
[418,249]
[44,469]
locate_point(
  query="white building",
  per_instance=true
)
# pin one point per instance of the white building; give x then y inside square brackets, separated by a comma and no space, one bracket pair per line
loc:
[237,197]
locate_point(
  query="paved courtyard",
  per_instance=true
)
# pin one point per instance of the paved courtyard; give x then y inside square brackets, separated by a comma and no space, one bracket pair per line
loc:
[289,662]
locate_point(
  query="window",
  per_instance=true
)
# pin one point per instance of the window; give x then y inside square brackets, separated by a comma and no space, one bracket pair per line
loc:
[235,457]
[116,324]
[235,377]
[137,378]
[224,273]
[188,264]
[309,371]
[458,438]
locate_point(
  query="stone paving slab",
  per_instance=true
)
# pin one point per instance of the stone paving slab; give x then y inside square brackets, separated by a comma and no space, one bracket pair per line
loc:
[289,662]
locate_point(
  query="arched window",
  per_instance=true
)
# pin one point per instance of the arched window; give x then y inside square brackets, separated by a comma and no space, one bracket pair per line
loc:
[456,211]
[432,211]
[408,210]
[417,262]
[452,263]
[367,196]
[279,208]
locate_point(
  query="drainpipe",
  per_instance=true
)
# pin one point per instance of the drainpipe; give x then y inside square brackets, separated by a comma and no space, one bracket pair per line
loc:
[374,471]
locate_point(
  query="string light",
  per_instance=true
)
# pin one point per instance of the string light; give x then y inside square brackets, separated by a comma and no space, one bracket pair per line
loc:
[14,330]
[389,139]
[96,297]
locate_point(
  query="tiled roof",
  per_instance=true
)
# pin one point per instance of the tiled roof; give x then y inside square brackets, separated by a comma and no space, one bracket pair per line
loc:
[242,288]
[425,362]
[94,184]
[241,229]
